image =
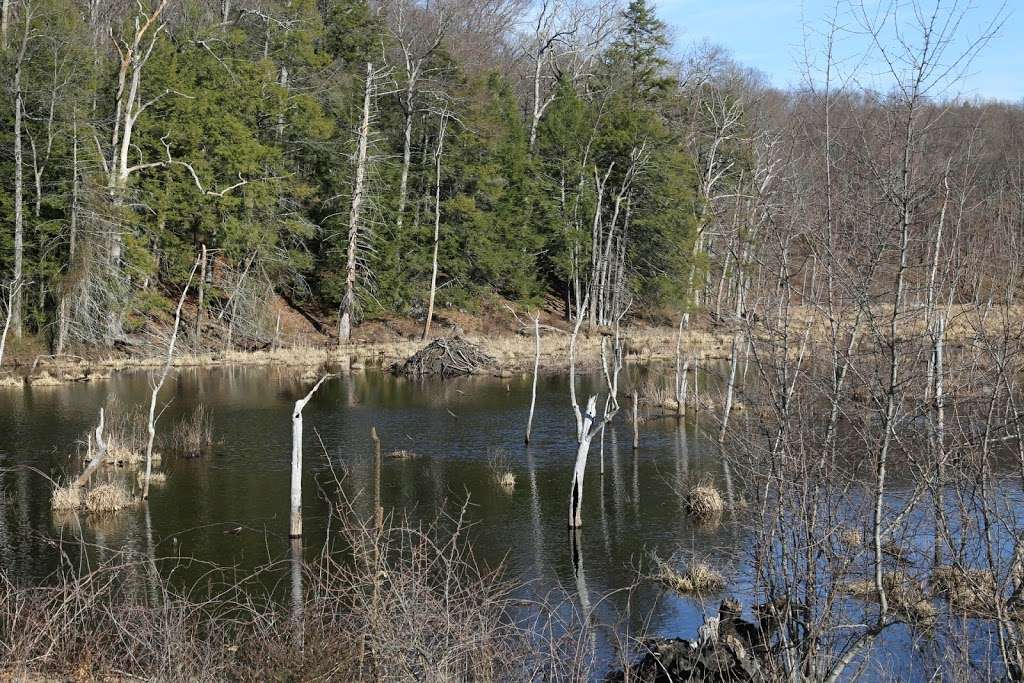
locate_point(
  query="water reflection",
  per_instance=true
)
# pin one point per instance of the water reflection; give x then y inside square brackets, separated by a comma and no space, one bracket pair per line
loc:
[243,482]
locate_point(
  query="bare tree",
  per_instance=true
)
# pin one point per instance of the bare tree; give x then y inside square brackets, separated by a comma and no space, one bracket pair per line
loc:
[356,229]
[158,384]
[442,126]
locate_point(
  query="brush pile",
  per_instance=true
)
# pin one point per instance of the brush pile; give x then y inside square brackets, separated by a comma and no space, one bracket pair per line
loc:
[443,357]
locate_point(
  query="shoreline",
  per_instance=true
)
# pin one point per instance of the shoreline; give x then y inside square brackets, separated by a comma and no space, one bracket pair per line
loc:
[513,352]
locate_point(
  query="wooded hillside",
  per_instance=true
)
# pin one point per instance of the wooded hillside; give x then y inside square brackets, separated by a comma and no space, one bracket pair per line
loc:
[365,156]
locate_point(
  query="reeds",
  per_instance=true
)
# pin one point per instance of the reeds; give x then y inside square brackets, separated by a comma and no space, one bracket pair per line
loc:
[501,471]
[694,577]
[108,498]
[393,603]
[195,433]
[66,498]
[402,454]
[703,502]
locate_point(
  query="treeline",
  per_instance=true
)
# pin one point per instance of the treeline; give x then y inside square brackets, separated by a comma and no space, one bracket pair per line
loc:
[365,156]
[322,150]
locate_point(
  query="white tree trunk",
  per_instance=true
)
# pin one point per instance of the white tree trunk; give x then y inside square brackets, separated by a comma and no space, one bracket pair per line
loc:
[7,321]
[576,493]
[295,526]
[354,217]
[151,424]
[729,387]
[19,210]
[536,370]
[437,221]
[97,458]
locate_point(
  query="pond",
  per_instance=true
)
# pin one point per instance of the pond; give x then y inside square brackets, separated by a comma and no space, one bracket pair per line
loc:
[230,506]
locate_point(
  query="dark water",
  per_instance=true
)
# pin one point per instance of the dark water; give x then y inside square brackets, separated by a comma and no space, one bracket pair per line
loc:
[455,427]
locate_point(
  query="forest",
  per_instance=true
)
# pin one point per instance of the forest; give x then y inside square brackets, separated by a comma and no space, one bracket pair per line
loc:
[799,302]
[364,158]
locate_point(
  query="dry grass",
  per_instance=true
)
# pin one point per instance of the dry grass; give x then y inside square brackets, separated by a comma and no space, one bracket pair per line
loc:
[108,498]
[974,591]
[851,537]
[903,592]
[66,498]
[195,432]
[501,471]
[695,577]
[398,604]
[704,503]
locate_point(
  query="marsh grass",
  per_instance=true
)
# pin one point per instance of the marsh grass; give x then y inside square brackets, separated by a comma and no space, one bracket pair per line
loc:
[391,602]
[703,502]
[691,576]
[66,498]
[402,454]
[155,478]
[194,433]
[903,592]
[501,471]
[109,497]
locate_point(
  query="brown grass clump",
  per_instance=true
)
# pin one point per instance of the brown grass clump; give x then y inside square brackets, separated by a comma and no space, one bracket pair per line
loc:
[498,462]
[704,503]
[108,498]
[851,537]
[901,590]
[195,432]
[695,578]
[66,498]
[972,590]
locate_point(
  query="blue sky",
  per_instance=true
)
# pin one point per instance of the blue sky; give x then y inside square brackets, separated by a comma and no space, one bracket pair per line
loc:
[769,36]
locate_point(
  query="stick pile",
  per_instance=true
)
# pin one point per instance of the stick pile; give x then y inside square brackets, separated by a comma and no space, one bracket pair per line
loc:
[445,357]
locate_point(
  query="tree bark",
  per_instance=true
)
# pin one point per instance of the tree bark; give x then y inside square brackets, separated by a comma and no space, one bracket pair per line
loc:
[354,217]
[97,459]
[582,450]
[151,424]
[19,209]
[295,525]
[536,370]
[438,154]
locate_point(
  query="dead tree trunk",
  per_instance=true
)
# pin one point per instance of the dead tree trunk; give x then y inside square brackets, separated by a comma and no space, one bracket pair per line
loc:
[536,370]
[582,450]
[729,387]
[378,510]
[587,426]
[349,300]
[97,459]
[200,303]
[19,210]
[7,321]
[295,528]
[151,425]
[437,220]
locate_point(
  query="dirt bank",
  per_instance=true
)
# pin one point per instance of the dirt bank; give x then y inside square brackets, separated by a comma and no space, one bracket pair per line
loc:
[379,343]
